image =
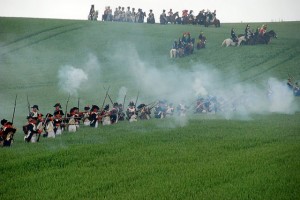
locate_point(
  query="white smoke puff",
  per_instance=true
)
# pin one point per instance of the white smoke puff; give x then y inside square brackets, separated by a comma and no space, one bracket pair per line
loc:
[92,64]
[281,98]
[71,79]
[199,88]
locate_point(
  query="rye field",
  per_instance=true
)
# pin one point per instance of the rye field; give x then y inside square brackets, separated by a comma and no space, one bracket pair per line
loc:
[252,153]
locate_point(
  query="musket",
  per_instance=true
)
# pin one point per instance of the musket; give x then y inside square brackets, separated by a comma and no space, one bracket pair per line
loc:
[43,126]
[67,105]
[124,101]
[12,120]
[152,105]
[137,97]
[28,105]
[105,98]
[78,102]
[109,97]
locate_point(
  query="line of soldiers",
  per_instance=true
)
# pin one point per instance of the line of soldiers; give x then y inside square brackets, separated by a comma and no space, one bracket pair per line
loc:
[52,125]
[55,124]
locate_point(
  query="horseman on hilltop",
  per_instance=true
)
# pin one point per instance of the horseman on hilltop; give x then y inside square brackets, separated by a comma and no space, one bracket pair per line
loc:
[170,13]
[151,19]
[163,18]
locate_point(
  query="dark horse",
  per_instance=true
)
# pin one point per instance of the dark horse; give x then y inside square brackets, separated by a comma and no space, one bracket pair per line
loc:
[189,47]
[258,39]
[266,38]
[172,19]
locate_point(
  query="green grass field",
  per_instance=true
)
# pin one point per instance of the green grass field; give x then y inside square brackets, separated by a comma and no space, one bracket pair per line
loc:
[207,156]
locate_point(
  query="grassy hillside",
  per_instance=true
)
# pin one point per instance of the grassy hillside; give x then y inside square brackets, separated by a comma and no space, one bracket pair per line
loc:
[241,156]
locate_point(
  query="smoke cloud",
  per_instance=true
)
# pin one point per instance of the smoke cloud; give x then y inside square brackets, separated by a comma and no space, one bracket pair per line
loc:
[74,79]
[174,84]
[167,81]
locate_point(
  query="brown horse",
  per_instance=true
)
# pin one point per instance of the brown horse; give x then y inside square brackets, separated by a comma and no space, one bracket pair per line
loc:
[214,21]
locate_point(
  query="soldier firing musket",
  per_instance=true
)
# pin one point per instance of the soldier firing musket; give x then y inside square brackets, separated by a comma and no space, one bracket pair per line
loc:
[7,129]
[7,132]
[58,120]
[95,117]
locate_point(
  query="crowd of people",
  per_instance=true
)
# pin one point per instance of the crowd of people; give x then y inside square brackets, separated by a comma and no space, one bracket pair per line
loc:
[122,14]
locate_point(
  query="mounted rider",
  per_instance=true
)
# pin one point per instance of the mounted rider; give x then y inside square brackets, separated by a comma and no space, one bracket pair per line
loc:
[201,41]
[191,15]
[263,30]
[163,17]
[151,19]
[233,35]
[248,32]
[170,13]
[185,13]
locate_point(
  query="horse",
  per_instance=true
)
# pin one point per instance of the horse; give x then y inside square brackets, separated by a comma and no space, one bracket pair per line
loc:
[189,48]
[151,20]
[266,38]
[172,19]
[213,21]
[163,19]
[201,43]
[93,16]
[229,42]
[173,53]
[200,18]
[188,20]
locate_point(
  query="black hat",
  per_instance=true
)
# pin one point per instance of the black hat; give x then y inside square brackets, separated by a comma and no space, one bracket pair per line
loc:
[106,107]
[57,104]
[131,103]
[164,10]
[3,121]
[48,115]
[95,107]
[87,107]
[141,106]
[35,106]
